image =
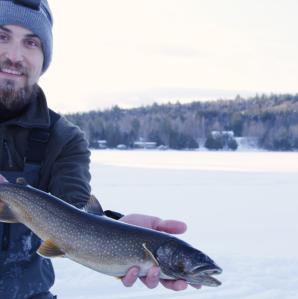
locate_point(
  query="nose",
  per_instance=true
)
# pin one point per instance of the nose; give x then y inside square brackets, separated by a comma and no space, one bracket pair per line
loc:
[14,53]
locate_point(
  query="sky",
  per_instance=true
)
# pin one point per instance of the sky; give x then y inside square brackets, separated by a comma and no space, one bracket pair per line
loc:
[136,52]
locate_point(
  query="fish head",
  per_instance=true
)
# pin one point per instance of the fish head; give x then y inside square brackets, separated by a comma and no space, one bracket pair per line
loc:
[179,260]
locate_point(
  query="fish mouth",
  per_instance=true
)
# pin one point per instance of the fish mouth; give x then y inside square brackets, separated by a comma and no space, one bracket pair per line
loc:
[202,275]
[206,270]
[208,280]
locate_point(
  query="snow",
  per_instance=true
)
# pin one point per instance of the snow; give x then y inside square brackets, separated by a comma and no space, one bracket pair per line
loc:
[240,209]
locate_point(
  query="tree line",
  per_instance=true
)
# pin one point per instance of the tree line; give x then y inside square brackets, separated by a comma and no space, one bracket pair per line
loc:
[271,119]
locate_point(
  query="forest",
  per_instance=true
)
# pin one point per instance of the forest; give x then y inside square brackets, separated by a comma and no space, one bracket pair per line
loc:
[271,119]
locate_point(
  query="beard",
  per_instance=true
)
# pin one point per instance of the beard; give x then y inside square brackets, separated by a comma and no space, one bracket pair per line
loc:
[14,99]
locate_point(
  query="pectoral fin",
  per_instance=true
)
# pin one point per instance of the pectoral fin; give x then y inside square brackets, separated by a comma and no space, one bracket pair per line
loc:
[49,249]
[6,214]
[150,254]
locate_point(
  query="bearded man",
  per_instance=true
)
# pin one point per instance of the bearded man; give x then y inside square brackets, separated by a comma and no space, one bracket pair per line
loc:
[43,147]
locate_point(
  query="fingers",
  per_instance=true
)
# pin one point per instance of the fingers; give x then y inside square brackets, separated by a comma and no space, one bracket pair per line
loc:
[196,286]
[141,220]
[152,279]
[131,276]
[175,285]
[171,226]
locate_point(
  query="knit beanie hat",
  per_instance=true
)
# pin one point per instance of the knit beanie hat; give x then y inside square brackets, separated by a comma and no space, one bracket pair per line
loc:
[34,15]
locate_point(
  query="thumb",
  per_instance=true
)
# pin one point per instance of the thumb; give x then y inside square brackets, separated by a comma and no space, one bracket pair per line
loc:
[3,179]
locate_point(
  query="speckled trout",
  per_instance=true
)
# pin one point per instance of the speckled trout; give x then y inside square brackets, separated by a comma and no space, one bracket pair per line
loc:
[98,242]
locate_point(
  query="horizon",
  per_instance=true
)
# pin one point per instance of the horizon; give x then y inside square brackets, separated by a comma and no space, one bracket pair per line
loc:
[207,101]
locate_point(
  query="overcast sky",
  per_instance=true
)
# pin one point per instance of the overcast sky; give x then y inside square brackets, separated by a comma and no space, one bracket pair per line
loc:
[134,52]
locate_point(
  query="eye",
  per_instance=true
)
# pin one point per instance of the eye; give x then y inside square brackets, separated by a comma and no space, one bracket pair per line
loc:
[3,37]
[32,43]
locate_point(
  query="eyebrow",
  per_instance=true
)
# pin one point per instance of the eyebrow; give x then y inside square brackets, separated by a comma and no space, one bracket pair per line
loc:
[4,28]
[9,31]
[33,35]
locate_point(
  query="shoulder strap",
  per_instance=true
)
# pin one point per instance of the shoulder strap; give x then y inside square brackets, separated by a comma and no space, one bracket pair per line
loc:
[38,140]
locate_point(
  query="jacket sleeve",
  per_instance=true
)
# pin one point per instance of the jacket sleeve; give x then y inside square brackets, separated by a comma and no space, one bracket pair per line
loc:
[69,176]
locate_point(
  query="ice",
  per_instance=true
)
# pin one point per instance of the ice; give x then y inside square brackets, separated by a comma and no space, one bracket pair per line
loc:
[241,213]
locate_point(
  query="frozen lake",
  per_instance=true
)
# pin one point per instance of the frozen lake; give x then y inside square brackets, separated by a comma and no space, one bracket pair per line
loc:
[240,208]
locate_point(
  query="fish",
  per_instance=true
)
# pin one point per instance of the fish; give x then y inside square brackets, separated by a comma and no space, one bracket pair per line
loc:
[108,246]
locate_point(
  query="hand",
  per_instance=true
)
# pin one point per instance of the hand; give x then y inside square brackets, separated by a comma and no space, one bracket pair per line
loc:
[153,276]
[3,179]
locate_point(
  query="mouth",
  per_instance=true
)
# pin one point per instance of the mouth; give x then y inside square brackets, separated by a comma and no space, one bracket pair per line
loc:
[11,73]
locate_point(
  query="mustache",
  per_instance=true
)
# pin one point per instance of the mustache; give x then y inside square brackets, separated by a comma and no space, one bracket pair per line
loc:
[17,66]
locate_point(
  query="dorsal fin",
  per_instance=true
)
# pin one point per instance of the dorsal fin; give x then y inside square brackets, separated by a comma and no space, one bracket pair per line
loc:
[49,249]
[93,206]
[21,181]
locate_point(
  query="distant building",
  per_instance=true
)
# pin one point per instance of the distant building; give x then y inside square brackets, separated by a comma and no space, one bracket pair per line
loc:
[222,133]
[102,144]
[121,147]
[98,144]
[144,144]
[162,147]
[248,143]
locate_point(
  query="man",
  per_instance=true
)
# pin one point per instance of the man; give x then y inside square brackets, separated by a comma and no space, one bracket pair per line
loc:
[46,149]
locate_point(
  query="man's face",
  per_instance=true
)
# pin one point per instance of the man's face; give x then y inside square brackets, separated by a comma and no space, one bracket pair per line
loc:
[21,61]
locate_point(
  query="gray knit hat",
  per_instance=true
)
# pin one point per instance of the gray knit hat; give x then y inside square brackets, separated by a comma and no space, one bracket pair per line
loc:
[34,15]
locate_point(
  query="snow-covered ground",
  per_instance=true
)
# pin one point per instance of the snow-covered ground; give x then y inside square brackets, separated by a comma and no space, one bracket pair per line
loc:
[240,209]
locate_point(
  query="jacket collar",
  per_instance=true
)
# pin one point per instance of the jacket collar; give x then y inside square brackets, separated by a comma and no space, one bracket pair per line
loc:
[35,116]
